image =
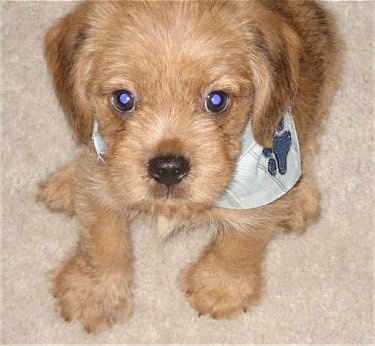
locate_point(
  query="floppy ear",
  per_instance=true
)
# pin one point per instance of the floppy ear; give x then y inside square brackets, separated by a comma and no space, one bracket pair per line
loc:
[69,66]
[275,55]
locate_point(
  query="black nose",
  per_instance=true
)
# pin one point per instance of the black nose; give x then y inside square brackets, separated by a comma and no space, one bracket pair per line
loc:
[168,169]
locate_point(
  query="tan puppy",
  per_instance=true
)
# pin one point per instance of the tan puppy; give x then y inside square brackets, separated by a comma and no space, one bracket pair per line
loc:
[168,89]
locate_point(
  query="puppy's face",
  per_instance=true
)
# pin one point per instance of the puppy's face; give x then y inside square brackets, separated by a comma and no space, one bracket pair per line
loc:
[174,142]
[172,87]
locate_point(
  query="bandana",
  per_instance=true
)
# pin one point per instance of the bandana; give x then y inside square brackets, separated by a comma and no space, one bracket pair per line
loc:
[99,143]
[262,175]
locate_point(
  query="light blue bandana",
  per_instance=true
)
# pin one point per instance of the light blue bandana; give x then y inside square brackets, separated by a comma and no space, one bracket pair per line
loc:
[99,143]
[261,175]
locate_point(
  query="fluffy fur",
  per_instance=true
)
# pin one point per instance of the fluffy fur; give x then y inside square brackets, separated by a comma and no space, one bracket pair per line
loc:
[265,55]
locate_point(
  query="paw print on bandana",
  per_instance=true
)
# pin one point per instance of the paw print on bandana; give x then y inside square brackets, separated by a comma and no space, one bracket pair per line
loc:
[277,155]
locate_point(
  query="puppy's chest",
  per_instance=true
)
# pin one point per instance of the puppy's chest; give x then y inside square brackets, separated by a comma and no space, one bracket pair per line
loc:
[166,225]
[168,221]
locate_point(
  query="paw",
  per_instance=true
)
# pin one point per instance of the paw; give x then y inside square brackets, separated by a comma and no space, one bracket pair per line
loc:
[57,191]
[56,196]
[99,299]
[217,290]
[306,208]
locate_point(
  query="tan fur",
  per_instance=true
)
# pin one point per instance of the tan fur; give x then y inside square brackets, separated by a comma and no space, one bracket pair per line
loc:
[265,54]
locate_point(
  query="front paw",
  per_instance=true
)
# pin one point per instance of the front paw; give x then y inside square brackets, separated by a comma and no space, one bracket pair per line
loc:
[97,297]
[219,290]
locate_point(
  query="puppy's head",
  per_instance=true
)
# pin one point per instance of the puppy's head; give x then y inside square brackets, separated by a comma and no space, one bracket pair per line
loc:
[172,86]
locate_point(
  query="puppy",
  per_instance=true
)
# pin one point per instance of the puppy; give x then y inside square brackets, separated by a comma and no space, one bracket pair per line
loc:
[193,113]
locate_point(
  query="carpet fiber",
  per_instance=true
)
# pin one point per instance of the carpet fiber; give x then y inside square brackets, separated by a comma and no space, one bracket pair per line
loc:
[319,286]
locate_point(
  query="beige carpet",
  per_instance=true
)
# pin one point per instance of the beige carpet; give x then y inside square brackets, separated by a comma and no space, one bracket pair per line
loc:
[319,286]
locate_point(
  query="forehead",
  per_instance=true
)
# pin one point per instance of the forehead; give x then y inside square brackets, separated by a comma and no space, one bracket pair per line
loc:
[153,40]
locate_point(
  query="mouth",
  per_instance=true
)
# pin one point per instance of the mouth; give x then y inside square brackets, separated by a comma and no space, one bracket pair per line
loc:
[168,192]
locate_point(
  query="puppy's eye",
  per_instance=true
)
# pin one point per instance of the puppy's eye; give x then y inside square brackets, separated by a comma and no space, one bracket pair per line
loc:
[216,102]
[123,101]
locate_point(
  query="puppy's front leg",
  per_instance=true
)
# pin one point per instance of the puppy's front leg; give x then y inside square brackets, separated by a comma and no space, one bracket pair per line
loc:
[227,277]
[94,285]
